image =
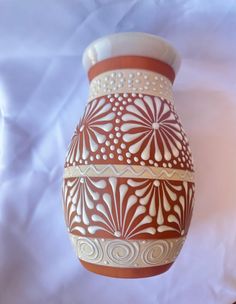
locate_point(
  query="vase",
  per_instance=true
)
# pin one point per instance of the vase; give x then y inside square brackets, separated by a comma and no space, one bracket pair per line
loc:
[129,182]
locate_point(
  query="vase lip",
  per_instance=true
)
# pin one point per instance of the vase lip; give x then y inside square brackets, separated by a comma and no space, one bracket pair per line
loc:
[136,43]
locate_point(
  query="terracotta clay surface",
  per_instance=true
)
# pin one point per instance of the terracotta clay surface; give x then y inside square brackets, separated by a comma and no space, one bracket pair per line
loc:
[129,273]
[136,62]
[128,184]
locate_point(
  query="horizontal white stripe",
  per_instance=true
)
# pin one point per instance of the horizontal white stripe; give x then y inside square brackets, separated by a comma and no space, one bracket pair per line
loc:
[129,171]
[127,253]
[130,81]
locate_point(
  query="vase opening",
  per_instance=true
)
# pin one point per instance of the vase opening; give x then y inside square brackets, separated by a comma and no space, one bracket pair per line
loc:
[131,44]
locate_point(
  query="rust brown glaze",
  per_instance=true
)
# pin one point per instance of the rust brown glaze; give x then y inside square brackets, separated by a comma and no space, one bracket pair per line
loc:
[118,208]
[135,62]
[170,131]
[126,273]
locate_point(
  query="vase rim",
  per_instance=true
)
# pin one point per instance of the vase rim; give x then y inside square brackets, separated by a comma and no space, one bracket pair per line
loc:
[136,43]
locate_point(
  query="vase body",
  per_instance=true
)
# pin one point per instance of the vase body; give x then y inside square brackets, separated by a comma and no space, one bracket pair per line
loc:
[128,183]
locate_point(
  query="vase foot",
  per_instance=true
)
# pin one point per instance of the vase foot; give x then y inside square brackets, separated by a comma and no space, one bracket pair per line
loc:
[129,273]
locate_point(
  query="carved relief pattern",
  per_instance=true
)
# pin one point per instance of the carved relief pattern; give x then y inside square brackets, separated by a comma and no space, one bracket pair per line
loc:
[132,253]
[182,212]
[127,208]
[131,129]
[128,184]
[114,214]
[150,125]
[91,131]
[130,81]
[129,171]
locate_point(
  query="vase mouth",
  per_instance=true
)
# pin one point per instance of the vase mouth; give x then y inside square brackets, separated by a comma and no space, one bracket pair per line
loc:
[136,43]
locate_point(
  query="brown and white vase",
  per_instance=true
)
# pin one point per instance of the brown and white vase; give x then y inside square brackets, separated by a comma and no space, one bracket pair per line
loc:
[128,181]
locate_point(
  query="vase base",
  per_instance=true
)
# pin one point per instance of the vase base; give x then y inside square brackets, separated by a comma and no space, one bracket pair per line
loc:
[128,273]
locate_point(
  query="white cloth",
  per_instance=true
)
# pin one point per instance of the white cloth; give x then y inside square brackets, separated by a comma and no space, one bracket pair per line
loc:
[43,90]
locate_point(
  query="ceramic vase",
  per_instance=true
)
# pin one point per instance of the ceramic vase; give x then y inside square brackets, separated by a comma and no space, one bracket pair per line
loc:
[128,181]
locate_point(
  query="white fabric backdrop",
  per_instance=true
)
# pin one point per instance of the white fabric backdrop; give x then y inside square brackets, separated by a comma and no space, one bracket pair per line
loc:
[43,90]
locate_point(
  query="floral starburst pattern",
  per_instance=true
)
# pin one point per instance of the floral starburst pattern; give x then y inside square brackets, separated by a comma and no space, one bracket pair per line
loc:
[80,196]
[179,219]
[120,214]
[170,202]
[130,129]
[91,131]
[157,195]
[150,127]
[127,208]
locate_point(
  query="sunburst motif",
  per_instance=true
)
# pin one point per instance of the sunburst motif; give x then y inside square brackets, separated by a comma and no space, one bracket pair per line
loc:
[91,131]
[121,215]
[156,195]
[179,220]
[154,206]
[80,194]
[150,124]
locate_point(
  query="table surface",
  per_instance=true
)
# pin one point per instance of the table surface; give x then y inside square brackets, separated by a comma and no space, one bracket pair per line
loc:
[43,90]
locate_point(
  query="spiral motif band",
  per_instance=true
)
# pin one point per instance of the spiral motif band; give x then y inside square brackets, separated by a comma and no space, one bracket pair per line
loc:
[89,249]
[127,253]
[122,252]
[157,252]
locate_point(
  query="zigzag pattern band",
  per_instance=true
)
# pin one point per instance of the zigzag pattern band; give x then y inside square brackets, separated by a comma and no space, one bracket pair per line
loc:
[129,171]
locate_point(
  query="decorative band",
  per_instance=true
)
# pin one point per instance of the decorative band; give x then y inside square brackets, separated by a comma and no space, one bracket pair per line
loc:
[128,171]
[132,62]
[127,253]
[124,81]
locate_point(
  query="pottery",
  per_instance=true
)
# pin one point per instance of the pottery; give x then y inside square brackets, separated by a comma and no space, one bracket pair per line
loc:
[129,179]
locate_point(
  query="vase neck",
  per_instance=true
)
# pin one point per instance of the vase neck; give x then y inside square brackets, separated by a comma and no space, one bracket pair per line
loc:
[132,62]
[130,80]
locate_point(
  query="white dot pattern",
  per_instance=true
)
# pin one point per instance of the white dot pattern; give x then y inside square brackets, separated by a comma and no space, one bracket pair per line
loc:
[113,147]
[123,81]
